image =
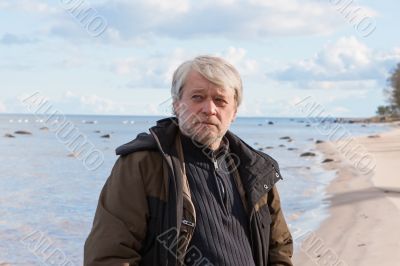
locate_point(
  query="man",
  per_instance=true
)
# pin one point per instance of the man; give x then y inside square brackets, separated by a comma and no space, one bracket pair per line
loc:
[191,192]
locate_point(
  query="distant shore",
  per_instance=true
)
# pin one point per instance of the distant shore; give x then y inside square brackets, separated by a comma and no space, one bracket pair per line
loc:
[362,228]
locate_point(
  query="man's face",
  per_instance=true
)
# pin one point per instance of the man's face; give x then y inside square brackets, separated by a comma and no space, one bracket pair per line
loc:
[205,110]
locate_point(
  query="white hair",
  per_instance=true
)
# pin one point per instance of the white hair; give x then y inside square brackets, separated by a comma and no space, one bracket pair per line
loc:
[214,69]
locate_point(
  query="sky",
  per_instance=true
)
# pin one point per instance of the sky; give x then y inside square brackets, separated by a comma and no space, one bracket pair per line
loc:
[117,57]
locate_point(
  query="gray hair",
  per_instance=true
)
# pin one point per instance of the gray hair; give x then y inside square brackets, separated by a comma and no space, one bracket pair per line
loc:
[214,69]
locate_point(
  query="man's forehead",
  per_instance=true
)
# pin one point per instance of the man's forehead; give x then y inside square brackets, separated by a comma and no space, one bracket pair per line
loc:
[218,90]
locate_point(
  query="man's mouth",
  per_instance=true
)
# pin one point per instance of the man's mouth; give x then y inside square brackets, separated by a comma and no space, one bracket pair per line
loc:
[208,123]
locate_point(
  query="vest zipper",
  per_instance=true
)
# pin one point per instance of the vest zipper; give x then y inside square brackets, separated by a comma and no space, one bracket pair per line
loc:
[215,163]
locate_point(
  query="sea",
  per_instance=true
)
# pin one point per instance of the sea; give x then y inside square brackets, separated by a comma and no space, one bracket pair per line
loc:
[49,190]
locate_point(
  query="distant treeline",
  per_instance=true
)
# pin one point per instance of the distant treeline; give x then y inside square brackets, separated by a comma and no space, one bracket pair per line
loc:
[392,93]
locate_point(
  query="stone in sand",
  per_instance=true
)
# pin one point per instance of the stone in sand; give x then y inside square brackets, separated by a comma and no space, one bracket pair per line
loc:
[286,137]
[328,160]
[7,135]
[319,141]
[106,136]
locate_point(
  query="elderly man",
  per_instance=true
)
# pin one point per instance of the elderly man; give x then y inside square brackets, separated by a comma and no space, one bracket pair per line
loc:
[191,192]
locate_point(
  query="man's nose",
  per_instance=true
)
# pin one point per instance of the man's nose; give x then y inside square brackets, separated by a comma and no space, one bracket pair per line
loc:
[209,107]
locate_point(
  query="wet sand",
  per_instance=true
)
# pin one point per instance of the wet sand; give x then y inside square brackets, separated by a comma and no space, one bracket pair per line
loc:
[363,226]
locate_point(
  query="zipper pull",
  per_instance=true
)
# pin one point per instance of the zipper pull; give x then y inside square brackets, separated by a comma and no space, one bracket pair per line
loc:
[215,163]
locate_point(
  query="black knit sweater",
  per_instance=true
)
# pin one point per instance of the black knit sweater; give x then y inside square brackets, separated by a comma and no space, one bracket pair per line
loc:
[222,228]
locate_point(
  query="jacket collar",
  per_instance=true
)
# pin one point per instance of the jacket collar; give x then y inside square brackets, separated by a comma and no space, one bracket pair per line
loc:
[259,171]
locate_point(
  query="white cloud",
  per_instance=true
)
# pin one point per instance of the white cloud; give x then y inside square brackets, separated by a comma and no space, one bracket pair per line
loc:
[339,111]
[95,104]
[30,6]
[2,107]
[347,59]
[156,71]
[134,20]
[238,57]
[174,6]
[99,104]
[11,39]
[236,19]
[151,72]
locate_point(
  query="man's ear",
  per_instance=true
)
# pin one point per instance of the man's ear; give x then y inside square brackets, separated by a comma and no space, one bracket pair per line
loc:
[234,115]
[174,108]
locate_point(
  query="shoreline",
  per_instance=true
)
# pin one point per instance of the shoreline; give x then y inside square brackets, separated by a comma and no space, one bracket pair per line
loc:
[364,209]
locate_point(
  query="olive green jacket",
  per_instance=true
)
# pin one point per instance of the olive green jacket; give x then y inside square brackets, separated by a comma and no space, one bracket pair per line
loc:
[145,215]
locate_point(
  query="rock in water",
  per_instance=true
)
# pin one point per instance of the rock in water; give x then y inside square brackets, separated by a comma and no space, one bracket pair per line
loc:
[22,132]
[306,154]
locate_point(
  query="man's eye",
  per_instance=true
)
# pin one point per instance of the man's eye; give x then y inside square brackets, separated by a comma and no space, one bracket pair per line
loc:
[196,97]
[220,101]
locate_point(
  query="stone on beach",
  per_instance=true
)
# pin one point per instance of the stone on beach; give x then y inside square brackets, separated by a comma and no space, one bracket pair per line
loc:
[7,135]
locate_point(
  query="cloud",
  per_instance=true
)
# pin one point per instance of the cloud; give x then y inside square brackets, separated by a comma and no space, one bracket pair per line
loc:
[233,19]
[140,21]
[2,107]
[87,104]
[238,57]
[15,67]
[156,70]
[12,39]
[136,20]
[346,60]
[29,6]
[95,104]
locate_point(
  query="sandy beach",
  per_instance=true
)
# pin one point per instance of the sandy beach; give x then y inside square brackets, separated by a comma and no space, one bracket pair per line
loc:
[364,214]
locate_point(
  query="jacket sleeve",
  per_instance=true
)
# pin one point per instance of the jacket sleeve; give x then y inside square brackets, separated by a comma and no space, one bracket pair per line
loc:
[281,242]
[119,225]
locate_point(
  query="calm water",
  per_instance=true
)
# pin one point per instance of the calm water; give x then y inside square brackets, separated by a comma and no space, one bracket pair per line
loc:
[48,197]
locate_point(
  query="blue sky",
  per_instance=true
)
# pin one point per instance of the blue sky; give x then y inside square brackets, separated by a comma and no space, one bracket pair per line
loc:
[117,57]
